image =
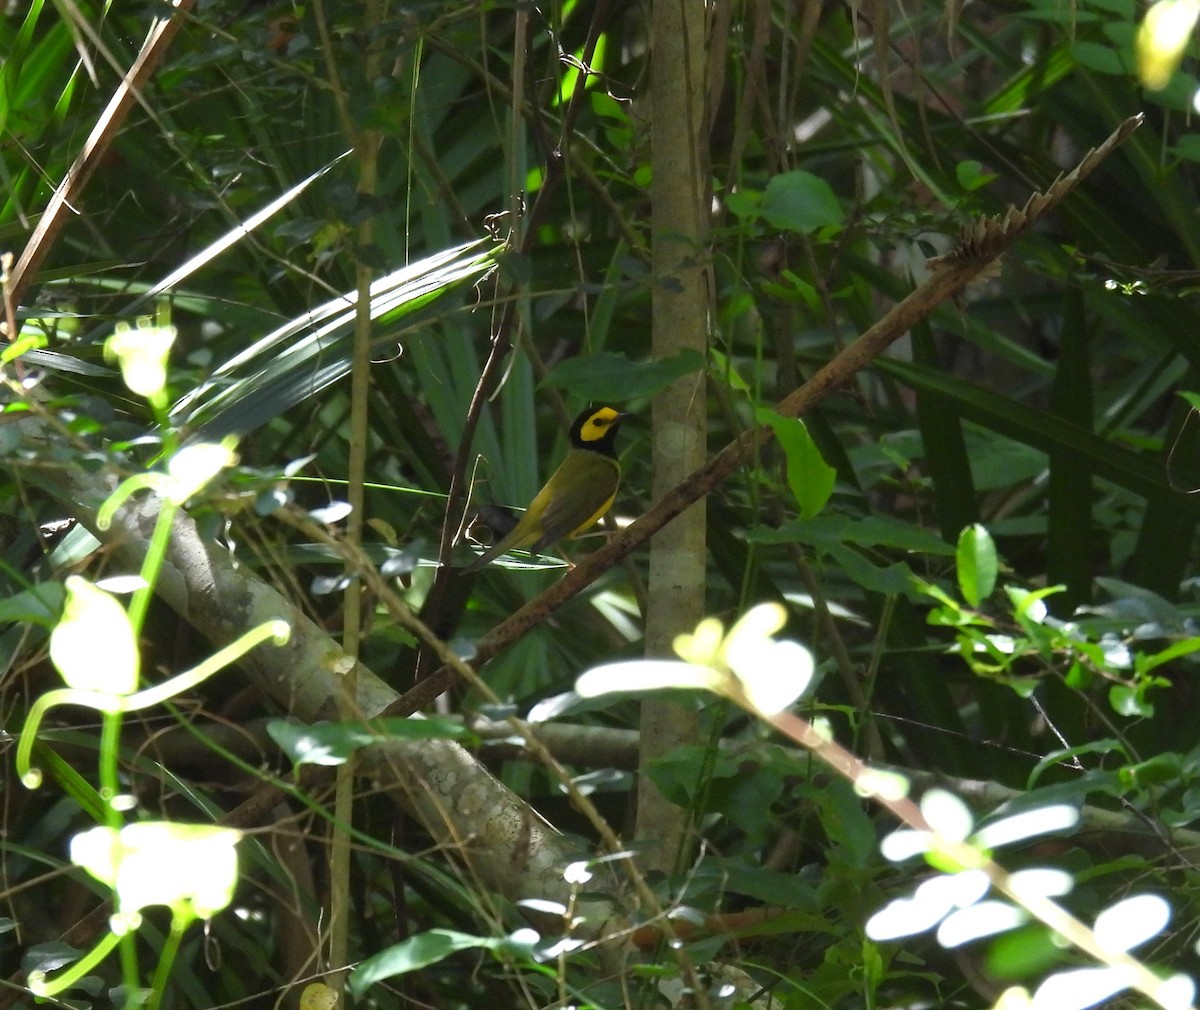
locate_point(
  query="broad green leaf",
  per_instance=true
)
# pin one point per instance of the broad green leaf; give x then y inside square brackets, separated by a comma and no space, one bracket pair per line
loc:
[809,476]
[1144,663]
[1129,700]
[971,176]
[39,604]
[772,888]
[48,957]
[800,201]
[1023,954]
[891,580]
[832,529]
[1035,428]
[1102,58]
[977,565]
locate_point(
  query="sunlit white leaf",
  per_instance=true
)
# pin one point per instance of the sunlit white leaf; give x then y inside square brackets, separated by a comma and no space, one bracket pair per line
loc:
[563,945]
[647,675]
[141,351]
[1029,605]
[703,646]
[1162,39]
[903,917]
[94,646]
[577,873]
[1132,921]
[1117,653]
[543,905]
[932,901]
[947,814]
[905,843]
[142,863]
[773,674]
[986,918]
[1041,882]
[526,936]
[958,890]
[1043,820]
[1005,644]
[195,465]
[121,584]
[755,625]
[1177,993]
[1080,987]
[887,785]
[1015,997]
[552,707]
[331,513]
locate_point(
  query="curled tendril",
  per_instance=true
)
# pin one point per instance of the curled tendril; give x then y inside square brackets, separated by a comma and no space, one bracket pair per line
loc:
[278,631]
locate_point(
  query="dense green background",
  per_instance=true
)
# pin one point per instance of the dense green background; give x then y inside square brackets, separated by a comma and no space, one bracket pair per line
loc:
[845,149]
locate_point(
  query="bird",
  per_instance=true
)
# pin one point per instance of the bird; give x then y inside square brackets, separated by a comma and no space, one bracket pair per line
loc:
[577,494]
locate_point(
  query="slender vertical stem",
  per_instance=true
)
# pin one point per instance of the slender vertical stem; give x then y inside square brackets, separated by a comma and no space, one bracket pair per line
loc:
[366,154]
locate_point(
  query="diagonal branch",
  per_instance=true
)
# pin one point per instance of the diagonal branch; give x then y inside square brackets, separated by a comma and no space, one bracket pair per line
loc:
[158,40]
[981,244]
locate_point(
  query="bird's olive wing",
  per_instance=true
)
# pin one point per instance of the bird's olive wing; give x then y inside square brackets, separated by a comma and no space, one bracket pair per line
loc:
[583,489]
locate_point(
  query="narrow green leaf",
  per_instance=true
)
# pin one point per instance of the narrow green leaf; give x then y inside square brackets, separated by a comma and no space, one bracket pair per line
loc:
[1036,428]
[40,604]
[423,950]
[332,743]
[611,377]
[834,529]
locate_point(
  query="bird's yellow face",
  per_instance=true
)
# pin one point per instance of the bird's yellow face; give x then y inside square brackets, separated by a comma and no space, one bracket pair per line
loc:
[596,429]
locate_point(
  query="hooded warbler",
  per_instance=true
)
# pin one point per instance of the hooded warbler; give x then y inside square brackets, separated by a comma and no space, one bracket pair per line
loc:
[577,494]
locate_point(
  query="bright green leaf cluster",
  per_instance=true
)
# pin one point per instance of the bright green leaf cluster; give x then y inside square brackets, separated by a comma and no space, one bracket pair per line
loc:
[1030,643]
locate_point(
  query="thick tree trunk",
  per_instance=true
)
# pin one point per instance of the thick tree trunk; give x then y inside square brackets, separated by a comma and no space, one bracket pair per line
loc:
[680,192]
